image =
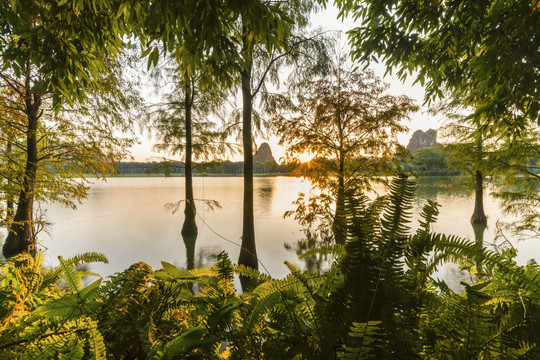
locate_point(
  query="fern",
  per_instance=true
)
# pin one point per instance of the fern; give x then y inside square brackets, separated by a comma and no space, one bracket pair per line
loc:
[335,250]
[377,300]
[368,334]
[95,340]
[54,274]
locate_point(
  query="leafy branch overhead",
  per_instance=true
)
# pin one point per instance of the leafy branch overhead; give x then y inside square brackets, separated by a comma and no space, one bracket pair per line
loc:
[484,52]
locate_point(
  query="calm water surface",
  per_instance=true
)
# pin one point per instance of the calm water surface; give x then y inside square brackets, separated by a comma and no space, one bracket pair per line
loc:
[127,220]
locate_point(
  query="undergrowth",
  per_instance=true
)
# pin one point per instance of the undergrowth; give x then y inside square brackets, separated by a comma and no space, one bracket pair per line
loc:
[378,300]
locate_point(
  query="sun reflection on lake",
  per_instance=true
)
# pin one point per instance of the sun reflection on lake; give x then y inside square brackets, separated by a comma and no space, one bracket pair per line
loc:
[126,220]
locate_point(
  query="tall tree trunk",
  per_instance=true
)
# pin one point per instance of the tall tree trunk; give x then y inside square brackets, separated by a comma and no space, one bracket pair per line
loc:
[248,252]
[339,217]
[478,216]
[189,242]
[189,229]
[21,237]
[10,202]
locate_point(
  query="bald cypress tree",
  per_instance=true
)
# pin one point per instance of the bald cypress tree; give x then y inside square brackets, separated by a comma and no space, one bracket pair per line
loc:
[347,121]
[53,58]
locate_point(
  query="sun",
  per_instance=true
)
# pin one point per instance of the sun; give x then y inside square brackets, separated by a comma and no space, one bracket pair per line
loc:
[306,157]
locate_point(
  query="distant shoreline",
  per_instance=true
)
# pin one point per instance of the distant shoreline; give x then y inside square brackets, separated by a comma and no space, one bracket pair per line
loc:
[237,175]
[194,175]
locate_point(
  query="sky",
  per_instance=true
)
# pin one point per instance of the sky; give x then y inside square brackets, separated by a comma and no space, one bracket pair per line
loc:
[328,19]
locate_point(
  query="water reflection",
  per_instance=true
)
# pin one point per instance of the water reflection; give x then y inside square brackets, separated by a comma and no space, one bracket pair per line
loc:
[189,242]
[311,240]
[479,229]
[206,256]
[432,187]
[124,219]
[265,193]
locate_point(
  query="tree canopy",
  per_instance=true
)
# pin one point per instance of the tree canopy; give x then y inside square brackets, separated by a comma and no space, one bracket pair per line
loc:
[486,52]
[69,43]
[344,115]
[53,57]
[347,120]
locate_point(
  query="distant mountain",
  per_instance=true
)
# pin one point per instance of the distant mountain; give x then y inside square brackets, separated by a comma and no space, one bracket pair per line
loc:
[264,153]
[420,139]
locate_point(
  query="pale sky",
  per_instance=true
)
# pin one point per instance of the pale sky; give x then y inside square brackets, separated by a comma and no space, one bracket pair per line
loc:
[328,19]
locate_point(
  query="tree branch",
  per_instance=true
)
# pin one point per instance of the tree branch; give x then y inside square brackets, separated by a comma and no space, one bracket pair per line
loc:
[23,341]
[293,46]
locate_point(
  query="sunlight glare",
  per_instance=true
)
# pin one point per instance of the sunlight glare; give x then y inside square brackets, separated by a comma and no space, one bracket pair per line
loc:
[306,157]
[306,187]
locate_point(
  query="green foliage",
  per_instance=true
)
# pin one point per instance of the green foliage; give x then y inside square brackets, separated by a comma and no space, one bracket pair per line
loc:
[510,166]
[69,44]
[63,96]
[485,52]
[378,300]
[42,320]
[201,98]
[430,160]
[345,118]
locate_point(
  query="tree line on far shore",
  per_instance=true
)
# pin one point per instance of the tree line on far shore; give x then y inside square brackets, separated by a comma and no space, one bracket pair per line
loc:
[69,72]
[170,168]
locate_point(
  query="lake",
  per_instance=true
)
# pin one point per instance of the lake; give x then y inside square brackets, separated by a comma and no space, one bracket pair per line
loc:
[126,219]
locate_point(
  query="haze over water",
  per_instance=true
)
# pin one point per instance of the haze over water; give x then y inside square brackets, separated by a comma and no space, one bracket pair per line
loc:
[126,219]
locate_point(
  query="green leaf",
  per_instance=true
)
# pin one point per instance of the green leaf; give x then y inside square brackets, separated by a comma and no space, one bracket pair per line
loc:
[184,343]
[224,313]
[175,272]
[90,290]
[67,307]
[146,52]
[73,281]
[153,58]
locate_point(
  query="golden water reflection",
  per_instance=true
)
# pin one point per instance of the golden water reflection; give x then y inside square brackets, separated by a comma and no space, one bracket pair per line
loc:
[126,220]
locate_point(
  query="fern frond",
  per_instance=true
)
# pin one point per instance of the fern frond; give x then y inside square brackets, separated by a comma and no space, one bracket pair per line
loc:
[95,340]
[397,212]
[367,334]
[73,281]
[53,275]
[428,216]
[242,270]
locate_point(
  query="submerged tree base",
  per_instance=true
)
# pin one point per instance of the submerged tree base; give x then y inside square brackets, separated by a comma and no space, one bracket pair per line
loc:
[479,219]
[20,239]
[189,228]
[368,305]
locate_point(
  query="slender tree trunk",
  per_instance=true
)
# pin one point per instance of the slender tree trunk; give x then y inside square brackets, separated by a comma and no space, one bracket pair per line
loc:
[248,252]
[189,242]
[479,216]
[189,229]
[339,217]
[10,202]
[21,237]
